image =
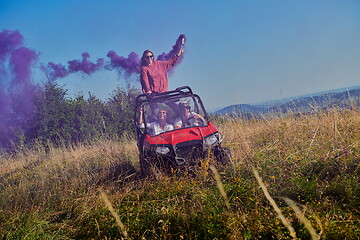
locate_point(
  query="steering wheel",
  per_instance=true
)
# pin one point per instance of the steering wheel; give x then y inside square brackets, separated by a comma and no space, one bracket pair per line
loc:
[198,120]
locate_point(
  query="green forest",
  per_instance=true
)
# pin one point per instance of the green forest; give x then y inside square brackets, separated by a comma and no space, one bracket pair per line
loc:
[58,120]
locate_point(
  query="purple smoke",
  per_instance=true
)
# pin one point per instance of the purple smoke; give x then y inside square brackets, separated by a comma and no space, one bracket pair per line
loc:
[85,65]
[16,90]
[8,41]
[128,65]
[55,71]
[21,60]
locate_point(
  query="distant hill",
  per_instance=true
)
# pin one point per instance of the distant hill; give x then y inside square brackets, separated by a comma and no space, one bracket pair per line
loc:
[304,104]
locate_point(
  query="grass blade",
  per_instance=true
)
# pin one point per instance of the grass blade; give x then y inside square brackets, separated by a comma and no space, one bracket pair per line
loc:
[274,205]
[302,218]
[114,214]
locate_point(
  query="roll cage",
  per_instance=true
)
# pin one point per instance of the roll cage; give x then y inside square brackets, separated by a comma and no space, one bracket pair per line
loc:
[168,101]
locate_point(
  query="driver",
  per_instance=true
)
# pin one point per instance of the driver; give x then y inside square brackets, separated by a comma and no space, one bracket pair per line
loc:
[158,126]
[188,118]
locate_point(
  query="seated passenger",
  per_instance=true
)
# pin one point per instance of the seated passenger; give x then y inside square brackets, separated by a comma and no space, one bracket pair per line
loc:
[158,126]
[188,118]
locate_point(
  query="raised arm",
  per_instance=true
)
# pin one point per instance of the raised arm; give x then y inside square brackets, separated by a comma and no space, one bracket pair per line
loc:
[181,50]
[140,119]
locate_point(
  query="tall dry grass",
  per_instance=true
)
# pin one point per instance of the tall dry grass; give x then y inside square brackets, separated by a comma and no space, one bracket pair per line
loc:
[312,158]
[311,136]
[308,164]
[37,178]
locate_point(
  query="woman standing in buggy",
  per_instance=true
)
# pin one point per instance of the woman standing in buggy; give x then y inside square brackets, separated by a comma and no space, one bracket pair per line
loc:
[153,74]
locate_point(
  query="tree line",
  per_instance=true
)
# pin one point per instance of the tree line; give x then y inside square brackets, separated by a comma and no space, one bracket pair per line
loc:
[59,120]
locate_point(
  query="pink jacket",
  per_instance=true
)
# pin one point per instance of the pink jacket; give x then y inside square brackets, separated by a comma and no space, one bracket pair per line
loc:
[154,76]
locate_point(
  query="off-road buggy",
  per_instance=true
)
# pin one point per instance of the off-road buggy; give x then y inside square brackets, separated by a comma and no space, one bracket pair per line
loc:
[181,145]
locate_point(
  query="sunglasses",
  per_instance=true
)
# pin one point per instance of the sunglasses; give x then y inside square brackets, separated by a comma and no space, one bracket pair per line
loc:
[151,56]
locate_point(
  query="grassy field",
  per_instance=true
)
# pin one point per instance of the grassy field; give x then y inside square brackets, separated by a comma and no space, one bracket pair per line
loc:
[291,177]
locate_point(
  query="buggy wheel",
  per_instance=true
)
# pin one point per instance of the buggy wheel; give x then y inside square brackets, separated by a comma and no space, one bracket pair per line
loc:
[152,165]
[145,166]
[223,155]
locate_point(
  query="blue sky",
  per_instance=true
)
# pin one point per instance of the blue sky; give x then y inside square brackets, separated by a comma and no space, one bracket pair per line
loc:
[244,51]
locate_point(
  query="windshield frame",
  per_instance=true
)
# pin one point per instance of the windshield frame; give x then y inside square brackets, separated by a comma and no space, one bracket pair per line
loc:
[171,105]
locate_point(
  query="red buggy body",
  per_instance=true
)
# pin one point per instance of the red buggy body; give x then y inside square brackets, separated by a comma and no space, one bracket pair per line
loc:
[182,145]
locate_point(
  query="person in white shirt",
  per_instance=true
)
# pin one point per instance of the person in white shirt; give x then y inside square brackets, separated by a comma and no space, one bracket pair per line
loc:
[188,118]
[158,126]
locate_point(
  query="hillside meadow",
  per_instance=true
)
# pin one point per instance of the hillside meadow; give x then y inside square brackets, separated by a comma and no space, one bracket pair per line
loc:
[294,176]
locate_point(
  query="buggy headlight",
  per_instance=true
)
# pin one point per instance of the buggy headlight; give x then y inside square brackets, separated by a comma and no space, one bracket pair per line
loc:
[212,140]
[162,150]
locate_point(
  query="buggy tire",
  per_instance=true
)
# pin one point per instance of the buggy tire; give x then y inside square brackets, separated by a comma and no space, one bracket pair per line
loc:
[144,167]
[223,155]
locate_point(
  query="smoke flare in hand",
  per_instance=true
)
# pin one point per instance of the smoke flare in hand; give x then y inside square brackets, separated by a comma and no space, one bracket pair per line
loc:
[176,48]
